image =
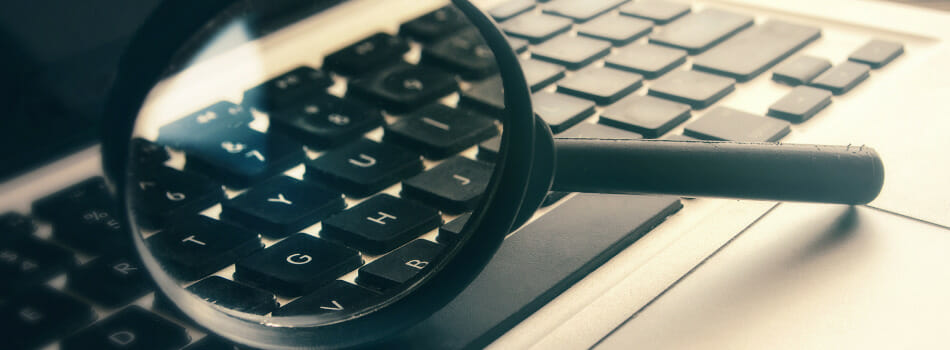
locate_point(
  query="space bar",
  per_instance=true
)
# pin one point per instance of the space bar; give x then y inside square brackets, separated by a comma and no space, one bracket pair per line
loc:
[536,264]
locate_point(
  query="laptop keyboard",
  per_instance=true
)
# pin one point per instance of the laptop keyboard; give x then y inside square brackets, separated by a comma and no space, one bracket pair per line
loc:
[606,68]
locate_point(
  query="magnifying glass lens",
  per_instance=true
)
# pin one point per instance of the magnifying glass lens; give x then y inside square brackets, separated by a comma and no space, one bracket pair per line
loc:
[300,166]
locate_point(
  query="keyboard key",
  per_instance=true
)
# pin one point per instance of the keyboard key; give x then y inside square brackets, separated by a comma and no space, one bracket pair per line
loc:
[539,74]
[147,154]
[581,10]
[651,61]
[197,246]
[163,193]
[800,70]
[40,316]
[14,226]
[435,25]
[596,131]
[297,265]
[658,11]
[877,53]
[842,77]
[92,191]
[400,266]
[572,52]
[601,85]
[465,53]
[281,205]
[697,89]
[30,261]
[800,104]
[751,52]
[535,27]
[83,216]
[133,328]
[371,54]
[222,117]
[618,30]
[510,8]
[438,131]
[645,115]
[403,87]
[234,296]
[322,120]
[363,167]
[336,296]
[285,89]
[561,111]
[727,124]
[575,242]
[110,281]
[699,31]
[488,149]
[452,231]
[453,186]
[485,96]
[240,159]
[381,224]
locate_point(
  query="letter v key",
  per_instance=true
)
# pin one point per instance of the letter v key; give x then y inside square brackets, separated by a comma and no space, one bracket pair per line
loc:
[336,306]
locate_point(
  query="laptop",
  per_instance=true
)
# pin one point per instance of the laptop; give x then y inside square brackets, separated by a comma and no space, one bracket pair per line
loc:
[613,271]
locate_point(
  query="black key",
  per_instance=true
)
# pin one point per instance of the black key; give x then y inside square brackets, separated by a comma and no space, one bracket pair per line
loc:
[581,10]
[596,131]
[699,31]
[485,96]
[877,53]
[658,11]
[553,197]
[510,8]
[453,186]
[282,205]
[163,193]
[572,52]
[297,265]
[645,115]
[363,167]
[14,226]
[284,89]
[240,159]
[452,231]
[601,85]
[322,120]
[234,296]
[465,53]
[651,61]
[110,281]
[147,154]
[575,242]
[83,216]
[400,266]
[133,328]
[561,111]
[221,117]
[381,224]
[618,30]
[800,104]
[40,316]
[697,89]
[727,124]
[435,25]
[367,55]
[800,70]
[751,52]
[92,191]
[197,246]
[30,261]
[438,131]
[842,77]
[403,87]
[536,27]
[336,296]
[540,74]
[488,149]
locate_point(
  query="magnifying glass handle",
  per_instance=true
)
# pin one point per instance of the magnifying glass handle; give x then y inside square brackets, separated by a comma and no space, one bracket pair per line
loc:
[767,171]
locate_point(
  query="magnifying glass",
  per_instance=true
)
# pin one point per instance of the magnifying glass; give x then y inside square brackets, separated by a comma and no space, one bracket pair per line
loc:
[285,166]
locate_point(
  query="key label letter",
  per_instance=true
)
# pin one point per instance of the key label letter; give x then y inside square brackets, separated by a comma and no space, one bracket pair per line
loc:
[193,240]
[124,268]
[365,162]
[280,199]
[462,179]
[336,306]
[382,218]
[436,123]
[298,259]
[417,264]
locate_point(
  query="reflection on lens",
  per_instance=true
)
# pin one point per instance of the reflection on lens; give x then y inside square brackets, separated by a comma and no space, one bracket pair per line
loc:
[321,170]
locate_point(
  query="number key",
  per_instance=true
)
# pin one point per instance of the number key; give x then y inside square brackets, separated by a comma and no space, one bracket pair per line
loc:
[323,120]
[164,193]
[370,54]
[286,88]
[239,159]
[403,87]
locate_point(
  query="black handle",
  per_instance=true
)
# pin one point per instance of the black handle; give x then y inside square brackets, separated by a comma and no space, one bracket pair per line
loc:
[783,172]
